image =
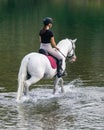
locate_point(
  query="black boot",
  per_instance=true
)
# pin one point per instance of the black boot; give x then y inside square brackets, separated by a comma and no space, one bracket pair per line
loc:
[59,68]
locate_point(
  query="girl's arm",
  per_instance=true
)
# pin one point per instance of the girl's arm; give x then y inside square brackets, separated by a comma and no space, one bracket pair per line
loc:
[53,43]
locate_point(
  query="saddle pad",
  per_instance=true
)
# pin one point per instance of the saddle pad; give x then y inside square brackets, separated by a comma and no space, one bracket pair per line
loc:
[52,62]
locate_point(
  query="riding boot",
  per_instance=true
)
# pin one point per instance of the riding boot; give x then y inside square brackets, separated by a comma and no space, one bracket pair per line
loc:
[59,68]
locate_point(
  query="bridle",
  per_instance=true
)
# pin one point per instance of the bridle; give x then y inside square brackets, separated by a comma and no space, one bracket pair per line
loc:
[71,50]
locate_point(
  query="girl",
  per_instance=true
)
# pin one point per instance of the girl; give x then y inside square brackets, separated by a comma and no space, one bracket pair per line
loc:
[47,42]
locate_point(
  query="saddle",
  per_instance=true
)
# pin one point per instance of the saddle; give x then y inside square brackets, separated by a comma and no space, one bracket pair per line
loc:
[52,59]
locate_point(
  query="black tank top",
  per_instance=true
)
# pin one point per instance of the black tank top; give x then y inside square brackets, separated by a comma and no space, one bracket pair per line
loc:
[45,36]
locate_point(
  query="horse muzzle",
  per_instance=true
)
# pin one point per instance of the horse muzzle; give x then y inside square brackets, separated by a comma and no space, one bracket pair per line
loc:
[72,59]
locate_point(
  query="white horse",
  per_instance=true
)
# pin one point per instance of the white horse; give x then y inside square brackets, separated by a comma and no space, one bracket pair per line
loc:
[38,66]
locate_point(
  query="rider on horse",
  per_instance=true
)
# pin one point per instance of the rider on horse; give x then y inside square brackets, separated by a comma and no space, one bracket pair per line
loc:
[47,42]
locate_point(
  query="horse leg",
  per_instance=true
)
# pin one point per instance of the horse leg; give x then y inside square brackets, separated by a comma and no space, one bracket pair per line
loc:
[56,84]
[61,85]
[29,82]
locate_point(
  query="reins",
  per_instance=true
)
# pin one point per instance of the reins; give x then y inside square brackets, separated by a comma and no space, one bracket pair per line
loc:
[62,53]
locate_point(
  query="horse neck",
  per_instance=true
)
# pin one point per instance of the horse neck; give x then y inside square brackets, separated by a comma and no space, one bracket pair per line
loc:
[63,46]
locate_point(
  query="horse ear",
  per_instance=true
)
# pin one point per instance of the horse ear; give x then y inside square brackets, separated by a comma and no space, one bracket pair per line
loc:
[74,40]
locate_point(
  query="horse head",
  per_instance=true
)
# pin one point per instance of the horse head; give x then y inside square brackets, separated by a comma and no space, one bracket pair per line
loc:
[71,52]
[67,49]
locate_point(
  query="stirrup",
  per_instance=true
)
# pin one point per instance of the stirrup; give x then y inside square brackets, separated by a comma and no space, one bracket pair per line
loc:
[59,74]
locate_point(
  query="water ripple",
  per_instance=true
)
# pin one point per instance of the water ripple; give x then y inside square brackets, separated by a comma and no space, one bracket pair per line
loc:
[77,109]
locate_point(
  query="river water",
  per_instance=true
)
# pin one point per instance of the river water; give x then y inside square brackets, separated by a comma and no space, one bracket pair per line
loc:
[81,107]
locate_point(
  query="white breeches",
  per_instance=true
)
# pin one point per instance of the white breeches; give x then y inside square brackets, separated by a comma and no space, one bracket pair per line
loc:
[50,50]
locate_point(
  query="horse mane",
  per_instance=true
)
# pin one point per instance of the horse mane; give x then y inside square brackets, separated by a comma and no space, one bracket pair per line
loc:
[60,43]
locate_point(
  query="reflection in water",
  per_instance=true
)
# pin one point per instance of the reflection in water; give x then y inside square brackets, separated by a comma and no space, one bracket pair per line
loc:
[37,115]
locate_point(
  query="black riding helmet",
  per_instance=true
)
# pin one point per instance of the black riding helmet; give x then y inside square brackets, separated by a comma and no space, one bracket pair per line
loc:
[47,20]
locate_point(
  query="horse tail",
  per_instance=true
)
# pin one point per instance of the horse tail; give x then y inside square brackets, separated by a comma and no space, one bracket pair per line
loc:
[22,76]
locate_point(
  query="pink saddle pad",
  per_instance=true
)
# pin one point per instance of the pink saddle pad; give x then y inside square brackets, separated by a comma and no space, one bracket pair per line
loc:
[52,62]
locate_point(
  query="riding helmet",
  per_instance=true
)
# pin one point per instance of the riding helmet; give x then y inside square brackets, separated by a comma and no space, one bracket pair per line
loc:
[47,20]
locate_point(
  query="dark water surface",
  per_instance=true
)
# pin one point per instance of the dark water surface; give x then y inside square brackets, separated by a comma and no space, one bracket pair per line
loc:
[83,106]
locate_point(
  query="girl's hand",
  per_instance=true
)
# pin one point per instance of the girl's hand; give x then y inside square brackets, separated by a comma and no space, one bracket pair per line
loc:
[57,48]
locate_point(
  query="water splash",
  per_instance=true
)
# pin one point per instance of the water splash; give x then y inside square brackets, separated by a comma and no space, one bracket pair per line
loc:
[41,94]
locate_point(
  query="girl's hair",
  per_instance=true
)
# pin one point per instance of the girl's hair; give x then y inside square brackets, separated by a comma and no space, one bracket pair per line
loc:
[42,31]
